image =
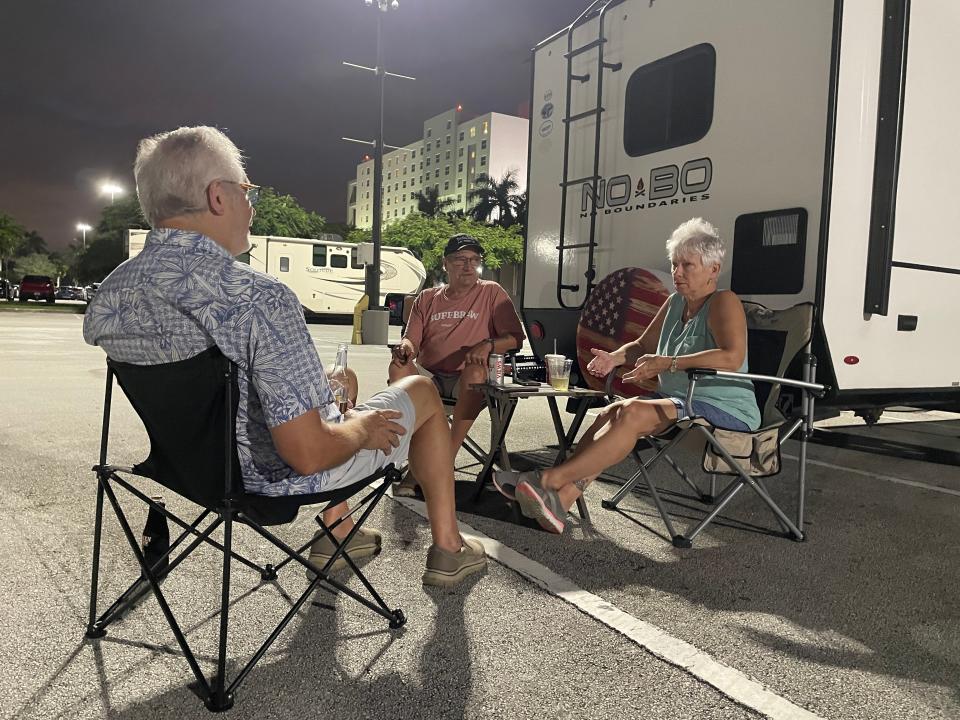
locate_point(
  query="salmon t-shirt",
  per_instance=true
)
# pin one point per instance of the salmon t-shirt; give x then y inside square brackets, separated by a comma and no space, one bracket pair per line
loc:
[445,328]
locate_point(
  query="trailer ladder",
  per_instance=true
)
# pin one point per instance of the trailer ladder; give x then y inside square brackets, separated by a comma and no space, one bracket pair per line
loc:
[598,8]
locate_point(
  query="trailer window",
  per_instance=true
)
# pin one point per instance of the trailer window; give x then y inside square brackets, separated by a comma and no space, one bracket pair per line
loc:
[284,264]
[319,255]
[338,261]
[769,250]
[356,264]
[669,102]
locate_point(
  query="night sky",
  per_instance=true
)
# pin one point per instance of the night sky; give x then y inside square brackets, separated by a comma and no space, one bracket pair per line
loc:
[84,80]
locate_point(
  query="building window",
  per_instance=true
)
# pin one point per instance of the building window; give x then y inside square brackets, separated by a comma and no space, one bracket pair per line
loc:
[368,196]
[447,156]
[404,212]
[448,127]
[459,182]
[388,201]
[338,260]
[448,140]
[459,198]
[483,144]
[388,176]
[446,170]
[436,173]
[404,183]
[460,167]
[483,159]
[319,255]
[368,171]
[396,186]
[446,185]
[428,147]
[437,158]
[460,152]
[413,168]
[413,154]
[486,127]
[473,132]
[429,133]
[428,162]
[461,136]
[669,102]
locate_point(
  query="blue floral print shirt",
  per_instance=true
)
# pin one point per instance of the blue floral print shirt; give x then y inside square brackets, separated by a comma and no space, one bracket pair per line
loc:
[183,294]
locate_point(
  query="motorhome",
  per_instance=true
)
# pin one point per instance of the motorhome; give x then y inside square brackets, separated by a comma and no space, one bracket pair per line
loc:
[327,274]
[815,135]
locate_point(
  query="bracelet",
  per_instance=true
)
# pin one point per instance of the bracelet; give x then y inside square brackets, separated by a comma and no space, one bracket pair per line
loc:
[493,345]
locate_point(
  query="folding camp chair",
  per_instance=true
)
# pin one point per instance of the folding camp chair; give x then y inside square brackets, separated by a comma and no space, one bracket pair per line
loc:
[774,339]
[189,410]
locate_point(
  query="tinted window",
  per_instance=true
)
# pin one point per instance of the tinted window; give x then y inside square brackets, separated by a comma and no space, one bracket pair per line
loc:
[354,263]
[284,264]
[338,261]
[669,102]
[319,255]
[768,252]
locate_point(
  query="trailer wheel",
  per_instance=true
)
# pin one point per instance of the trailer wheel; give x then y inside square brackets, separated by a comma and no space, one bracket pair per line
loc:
[870,415]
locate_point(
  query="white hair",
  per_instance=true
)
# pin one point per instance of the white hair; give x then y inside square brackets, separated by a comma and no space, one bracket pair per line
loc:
[174,169]
[696,237]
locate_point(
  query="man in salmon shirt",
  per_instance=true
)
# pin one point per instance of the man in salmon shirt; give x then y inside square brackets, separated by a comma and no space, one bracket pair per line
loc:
[451,332]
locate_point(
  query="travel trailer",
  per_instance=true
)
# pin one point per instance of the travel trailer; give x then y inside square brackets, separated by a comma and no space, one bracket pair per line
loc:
[817,135]
[326,274]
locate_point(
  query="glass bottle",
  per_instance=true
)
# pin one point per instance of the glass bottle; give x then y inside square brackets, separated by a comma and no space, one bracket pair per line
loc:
[339,383]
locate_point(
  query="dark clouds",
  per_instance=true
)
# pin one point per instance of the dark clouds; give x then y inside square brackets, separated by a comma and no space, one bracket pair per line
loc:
[83,81]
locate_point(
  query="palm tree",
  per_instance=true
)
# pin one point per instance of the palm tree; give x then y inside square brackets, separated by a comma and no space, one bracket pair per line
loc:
[429,202]
[520,210]
[494,196]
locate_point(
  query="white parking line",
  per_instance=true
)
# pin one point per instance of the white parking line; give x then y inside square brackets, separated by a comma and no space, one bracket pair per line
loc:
[877,476]
[731,682]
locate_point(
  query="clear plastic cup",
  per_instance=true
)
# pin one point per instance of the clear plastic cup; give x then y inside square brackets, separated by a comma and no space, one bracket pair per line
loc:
[560,373]
[553,360]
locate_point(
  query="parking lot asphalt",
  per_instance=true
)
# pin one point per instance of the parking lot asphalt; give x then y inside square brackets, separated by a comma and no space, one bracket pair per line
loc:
[860,621]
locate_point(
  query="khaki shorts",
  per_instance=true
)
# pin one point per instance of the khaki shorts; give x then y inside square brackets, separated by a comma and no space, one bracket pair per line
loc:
[367,462]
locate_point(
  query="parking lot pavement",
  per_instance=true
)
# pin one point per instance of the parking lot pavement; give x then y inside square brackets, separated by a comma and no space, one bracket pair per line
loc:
[860,621]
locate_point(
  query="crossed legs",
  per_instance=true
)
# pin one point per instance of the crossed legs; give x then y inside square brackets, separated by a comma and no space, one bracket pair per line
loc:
[608,441]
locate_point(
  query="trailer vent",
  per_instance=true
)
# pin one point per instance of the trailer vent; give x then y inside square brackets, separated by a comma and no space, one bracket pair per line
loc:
[769,250]
[669,102]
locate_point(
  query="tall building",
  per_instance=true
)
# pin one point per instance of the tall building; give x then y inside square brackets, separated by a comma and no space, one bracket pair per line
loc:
[449,157]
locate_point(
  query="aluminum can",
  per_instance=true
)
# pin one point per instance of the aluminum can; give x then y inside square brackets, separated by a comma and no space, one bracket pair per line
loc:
[495,369]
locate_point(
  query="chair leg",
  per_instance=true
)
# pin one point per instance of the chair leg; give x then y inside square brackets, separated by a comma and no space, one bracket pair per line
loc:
[220,700]
[93,631]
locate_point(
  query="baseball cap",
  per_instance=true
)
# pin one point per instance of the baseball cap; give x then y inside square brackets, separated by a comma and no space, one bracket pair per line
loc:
[462,242]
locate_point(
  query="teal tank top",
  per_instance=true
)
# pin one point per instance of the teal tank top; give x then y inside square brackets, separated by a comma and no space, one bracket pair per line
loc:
[678,338]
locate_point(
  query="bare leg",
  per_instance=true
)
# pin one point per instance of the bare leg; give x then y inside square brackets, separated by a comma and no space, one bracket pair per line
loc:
[395,371]
[614,435]
[469,404]
[431,460]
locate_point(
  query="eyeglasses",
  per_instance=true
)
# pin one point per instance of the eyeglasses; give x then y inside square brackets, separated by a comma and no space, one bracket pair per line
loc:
[252,191]
[464,260]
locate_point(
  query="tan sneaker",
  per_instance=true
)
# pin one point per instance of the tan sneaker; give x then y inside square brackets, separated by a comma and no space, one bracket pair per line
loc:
[449,568]
[407,487]
[364,543]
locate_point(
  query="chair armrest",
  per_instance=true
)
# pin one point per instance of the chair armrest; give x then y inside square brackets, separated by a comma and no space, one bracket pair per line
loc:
[816,389]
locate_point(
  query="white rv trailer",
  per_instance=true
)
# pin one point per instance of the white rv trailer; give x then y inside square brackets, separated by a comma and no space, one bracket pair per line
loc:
[817,135]
[326,274]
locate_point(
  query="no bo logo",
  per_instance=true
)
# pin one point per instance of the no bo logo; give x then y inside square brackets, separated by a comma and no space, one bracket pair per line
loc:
[694,177]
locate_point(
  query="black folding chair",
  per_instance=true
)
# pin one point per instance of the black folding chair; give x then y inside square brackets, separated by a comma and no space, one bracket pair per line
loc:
[774,339]
[189,410]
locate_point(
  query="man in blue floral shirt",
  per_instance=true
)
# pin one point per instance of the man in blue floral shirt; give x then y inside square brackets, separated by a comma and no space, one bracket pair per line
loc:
[185,292]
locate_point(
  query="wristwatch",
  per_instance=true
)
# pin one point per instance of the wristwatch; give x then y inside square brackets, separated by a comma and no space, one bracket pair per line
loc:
[673,364]
[493,345]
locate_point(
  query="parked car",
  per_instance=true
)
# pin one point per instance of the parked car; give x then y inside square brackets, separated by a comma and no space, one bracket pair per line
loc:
[6,289]
[71,292]
[91,290]
[37,287]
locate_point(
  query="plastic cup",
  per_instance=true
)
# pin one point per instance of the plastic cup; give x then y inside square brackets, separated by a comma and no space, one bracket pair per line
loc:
[553,360]
[560,372]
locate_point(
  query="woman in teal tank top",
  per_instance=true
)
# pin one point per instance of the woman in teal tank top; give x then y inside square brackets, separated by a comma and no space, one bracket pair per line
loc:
[698,326]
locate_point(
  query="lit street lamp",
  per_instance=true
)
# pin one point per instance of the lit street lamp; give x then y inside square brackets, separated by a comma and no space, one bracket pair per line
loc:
[372,278]
[84,228]
[111,189]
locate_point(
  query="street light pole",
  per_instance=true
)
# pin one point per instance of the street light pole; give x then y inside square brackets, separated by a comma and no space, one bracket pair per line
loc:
[373,271]
[83,227]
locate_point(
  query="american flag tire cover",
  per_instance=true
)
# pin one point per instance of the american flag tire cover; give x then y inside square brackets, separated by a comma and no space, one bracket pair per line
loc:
[618,311]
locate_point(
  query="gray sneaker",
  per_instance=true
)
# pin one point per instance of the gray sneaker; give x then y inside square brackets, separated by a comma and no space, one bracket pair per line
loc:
[505,481]
[540,503]
[364,544]
[448,568]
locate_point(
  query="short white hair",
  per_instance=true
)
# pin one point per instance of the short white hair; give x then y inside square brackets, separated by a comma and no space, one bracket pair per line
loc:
[696,237]
[173,170]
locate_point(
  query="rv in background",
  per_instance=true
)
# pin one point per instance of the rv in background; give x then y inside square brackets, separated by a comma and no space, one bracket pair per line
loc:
[811,133]
[326,274]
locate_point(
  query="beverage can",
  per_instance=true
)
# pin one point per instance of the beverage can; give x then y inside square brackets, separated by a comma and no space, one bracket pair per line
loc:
[495,369]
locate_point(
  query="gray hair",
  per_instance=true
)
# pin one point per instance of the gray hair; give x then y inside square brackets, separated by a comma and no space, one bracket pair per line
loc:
[697,237]
[174,169]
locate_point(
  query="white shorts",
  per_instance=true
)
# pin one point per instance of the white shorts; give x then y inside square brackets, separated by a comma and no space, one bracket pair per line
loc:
[367,462]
